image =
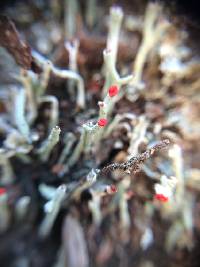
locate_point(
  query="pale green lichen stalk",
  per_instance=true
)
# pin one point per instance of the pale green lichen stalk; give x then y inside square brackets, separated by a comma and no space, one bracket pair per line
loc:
[68,74]
[152,33]
[31,104]
[65,74]
[108,102]
[45,150]
[19,114]
[92,132]
[7,175]
[77,151]
[91,12]
[116,16]
[5,215]
[53,211]
[71,12]
[21,207]
[175,153]
[137,136]
[72,48]
[69,140]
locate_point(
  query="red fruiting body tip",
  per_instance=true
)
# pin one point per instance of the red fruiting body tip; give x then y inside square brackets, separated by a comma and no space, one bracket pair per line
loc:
[113,188]
[102,122]
[2,191]
[113,90]
[161,197]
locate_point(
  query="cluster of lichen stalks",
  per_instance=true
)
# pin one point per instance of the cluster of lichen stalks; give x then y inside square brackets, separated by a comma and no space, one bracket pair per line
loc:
[20,138]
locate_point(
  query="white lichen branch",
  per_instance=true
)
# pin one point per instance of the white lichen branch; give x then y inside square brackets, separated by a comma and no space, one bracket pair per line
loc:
[65,74]
[152,33]
[19,113]
[45,150]
[51,215]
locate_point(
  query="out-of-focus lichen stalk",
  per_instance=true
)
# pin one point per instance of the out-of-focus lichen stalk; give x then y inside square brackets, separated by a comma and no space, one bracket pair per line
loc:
[85,183]
[56,8]
[7,174]
[137,136]
[69,140]
[147,238]
[123,205]
[78,149]
[72,233]
[54,115]
[174,234]
[175,154]
[86,137]
[5,127]
[94,206]
[91,13]
[133,23]
[47,191]
[51,215]
[151,35]
[16,143]
[98,190]
[19,113]
[21,207]
[181,230]
[192,178]
[144,224]
[66,74]
[71,11]
[4,213]
[77,187]
[112,125]
[45,150]
[31,102]
[188,212]
[72,48]
[44,78]
[116,16]
[115,123]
